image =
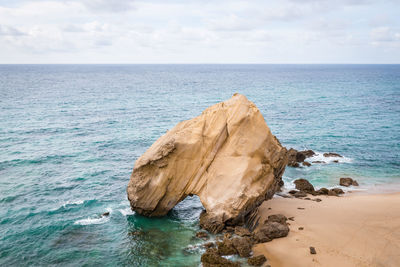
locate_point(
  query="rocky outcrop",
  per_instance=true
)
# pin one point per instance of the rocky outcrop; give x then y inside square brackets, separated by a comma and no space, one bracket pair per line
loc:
[331,154]
[295,157]
[347,181]
[212,259]
[304,185]
[227,156]
[257,260]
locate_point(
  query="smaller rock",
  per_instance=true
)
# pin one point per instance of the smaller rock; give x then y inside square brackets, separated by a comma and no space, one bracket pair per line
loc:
[347,181]
[209,245]
[299,208]
[304,185]
[307,153]
[226,247]
[106,213]
[211,258]
[307,198]
[312,250]
[279,218]
[242,245]
[257,260]
[307,164]
[317,199]
[269,231]
[202,235]
[300,194]
[241,231]
[318,161]
[335,161]
[322,191]
[338,191]
[301,228]
[292,192]
[291,218]
[331,154]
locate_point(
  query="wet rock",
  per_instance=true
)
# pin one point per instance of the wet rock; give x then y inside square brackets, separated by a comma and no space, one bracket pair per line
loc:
[318,161]
[242,245]
[304,185]
[202,235]
[322,191]
[256,260]
[307,164]
[312,250]
[269,231]
[335,161]
[292,192]
[212,259]
[347,181]
[106,214]
[241,231]
[331,154]
[338,191]
[295,157]
[307,153]
[300,194]
[209,245]
[226,247]
[279,218]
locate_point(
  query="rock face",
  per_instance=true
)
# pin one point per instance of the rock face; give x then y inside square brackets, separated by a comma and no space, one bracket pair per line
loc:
[227,156]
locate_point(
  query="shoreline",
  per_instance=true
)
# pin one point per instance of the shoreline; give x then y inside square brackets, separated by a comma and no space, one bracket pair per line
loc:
[356,229]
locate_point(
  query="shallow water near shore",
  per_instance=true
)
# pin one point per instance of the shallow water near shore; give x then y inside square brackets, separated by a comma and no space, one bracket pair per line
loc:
[70,134]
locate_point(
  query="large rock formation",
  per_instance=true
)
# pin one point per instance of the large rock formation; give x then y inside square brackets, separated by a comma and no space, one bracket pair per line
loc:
[227,156]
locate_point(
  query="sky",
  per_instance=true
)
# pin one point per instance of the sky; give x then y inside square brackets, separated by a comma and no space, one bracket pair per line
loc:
[199,31]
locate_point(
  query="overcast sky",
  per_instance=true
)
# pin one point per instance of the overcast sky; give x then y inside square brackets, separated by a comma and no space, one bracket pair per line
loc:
[199,31]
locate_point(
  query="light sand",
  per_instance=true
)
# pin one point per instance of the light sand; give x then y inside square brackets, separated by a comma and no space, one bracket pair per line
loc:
[354,230]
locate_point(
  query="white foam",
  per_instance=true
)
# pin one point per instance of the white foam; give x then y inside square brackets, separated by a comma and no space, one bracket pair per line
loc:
[75,202]
[126,211]
[89,221]
[320,157]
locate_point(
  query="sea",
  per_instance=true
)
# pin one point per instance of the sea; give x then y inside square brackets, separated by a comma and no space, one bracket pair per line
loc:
[70,135]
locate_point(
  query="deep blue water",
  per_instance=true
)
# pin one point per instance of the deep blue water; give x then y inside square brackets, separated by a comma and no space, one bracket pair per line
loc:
[70,134]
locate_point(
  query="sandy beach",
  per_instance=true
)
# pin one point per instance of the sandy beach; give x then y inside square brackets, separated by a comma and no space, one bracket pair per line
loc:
[352,230]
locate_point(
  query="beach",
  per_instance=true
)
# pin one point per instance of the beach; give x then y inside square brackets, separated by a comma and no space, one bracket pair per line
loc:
[351,230]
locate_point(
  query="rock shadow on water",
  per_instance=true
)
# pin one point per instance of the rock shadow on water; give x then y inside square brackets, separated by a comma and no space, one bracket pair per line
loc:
[164,240]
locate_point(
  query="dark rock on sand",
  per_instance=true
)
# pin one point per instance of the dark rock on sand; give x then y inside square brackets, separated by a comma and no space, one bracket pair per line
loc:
[331,154]
[304,185]
[202,235]
[312,250]
[322,191]
[338,191]
[211,259]
[347,181]
[256,260]
[226,247]
[269,231]
[241,231]
[242,245]
[279,218]
[300,194]
[301,228]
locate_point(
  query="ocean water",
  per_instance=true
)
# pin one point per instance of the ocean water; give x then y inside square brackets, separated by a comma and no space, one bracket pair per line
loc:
[70,134]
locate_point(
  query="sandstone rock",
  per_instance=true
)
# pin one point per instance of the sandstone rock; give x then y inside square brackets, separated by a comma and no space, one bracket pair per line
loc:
[347,181]
[226,247]
[331,154]
[211,259]
[304,185]
[241,231]
[242,245]
[279,218]
[257,260]
[227,156]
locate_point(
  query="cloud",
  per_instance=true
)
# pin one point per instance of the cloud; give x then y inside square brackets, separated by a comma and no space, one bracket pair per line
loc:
[381,35]
[109,5]
[10,31]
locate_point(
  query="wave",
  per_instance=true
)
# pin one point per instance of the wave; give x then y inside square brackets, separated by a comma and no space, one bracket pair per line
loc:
[74,202]
[126,212]
[90,221]
[319,156]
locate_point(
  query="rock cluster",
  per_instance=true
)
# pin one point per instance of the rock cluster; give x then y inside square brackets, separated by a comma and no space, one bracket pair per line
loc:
[243,239]
[304,187]
[227,156]
[295,157]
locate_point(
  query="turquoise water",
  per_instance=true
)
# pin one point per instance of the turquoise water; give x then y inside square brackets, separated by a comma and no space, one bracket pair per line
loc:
[70,134]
